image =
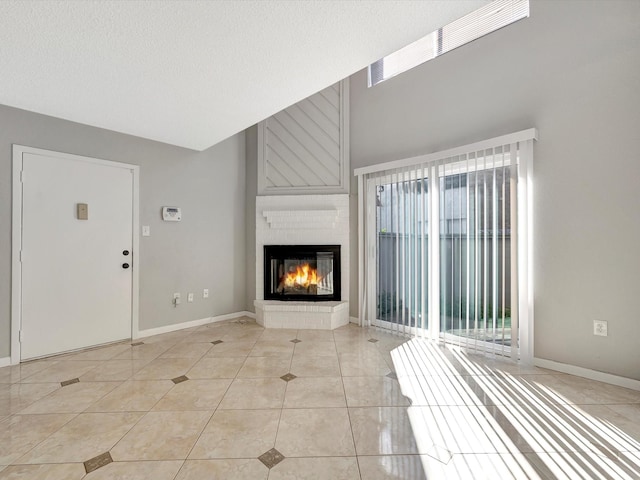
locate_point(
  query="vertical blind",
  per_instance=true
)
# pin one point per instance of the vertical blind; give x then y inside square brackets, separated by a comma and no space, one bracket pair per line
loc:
[440,246]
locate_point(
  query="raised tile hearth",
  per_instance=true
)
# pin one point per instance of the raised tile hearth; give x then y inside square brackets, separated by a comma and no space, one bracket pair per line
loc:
[301,315]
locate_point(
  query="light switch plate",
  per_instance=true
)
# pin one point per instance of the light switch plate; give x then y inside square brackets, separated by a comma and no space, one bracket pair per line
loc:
[205,293]
[146,231]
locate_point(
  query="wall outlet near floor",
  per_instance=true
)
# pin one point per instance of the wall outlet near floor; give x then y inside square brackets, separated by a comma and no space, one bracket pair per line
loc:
[600,328]
[176,299]
[190,298]
[205,293]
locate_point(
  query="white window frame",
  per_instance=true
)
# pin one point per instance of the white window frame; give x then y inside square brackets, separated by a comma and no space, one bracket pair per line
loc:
[483,21]
[522,238]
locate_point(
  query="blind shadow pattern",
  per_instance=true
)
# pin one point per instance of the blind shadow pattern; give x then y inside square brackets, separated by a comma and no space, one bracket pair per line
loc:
[470,413]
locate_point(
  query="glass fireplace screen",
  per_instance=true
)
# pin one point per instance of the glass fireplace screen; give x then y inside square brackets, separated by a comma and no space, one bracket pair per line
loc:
[302,272]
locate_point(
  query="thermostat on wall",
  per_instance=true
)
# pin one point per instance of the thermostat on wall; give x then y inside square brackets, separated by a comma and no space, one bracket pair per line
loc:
[171,214]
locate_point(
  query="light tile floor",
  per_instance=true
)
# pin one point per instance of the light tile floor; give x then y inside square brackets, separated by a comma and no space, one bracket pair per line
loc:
[234,401]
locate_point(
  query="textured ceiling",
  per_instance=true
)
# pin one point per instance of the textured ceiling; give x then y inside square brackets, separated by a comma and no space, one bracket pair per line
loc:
[192,73]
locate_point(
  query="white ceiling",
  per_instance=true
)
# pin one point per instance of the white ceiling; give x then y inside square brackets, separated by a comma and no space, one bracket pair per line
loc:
[192,73]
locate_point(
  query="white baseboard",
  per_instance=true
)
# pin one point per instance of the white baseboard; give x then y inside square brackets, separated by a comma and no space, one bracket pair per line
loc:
[588,373]
[193,323]
[355,320]
[5,361]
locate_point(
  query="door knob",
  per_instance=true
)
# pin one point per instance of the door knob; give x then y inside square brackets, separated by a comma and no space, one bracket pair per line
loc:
[125,265]
[125,252]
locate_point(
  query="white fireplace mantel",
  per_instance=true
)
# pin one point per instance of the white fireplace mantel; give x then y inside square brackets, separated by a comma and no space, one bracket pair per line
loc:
[305,219]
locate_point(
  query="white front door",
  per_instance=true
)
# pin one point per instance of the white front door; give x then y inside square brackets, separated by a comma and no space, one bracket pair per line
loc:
[76,276]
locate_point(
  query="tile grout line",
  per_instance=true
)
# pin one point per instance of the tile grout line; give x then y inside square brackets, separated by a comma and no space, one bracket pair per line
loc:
[152,407]
[217,406]
[66,423]
[44,439]
[76,415]
[286,387]
[379,349]
[353,438]
[275,439]
[215,410]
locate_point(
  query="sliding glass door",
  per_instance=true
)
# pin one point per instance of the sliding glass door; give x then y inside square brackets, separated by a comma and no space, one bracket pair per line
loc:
[475,251]
[464,287]
[401,246]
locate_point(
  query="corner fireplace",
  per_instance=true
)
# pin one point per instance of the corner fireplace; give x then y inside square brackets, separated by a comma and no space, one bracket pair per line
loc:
[302,273]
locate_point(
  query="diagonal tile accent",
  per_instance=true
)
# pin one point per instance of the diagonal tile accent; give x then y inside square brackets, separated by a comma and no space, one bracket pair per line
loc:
[136,344]
[97,462]
[373,340]
[180,379]
[69,382]
[295,340]
[216,342]
[288,377]
[271,458]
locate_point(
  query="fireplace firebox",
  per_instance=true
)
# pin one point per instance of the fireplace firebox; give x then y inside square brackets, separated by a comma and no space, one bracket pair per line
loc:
[302,272]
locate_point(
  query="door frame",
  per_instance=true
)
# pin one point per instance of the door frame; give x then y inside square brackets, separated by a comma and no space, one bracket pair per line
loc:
[16,238]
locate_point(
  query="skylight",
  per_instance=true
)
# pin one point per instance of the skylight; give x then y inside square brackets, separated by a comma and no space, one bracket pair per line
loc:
[487,19]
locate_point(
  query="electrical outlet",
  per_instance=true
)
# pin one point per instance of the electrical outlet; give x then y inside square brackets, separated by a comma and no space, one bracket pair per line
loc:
[205,293]
[600,328]
[190,298]
[176,299]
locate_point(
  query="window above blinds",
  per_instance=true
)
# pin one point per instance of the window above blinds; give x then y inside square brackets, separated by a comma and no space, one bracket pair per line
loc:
[487,19]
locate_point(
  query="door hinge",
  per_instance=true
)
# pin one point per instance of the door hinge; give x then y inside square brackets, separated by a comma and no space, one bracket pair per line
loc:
[21,256]
[21,336]
[22,176]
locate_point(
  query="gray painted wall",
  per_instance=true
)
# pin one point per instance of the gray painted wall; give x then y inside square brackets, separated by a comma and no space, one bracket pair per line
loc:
[572,70]
[205,250]
[251,136]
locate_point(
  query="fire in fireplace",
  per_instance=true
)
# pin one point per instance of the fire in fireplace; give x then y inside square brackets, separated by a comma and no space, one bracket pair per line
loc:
[302,272]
